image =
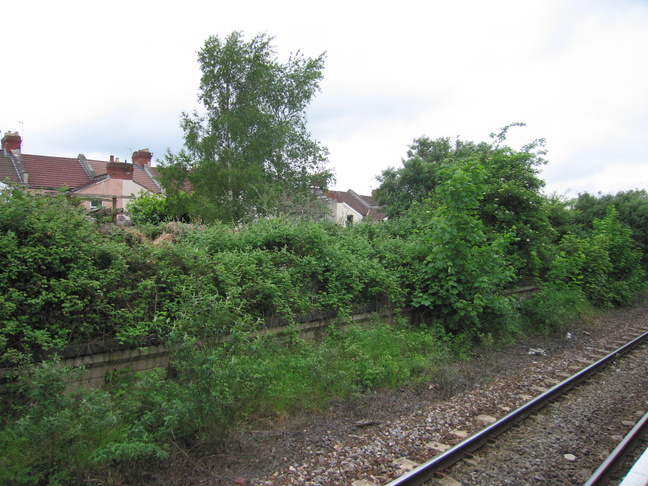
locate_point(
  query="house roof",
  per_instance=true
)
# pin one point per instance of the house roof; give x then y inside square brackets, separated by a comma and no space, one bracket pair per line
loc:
[55,172]
[364,205]
[144,176]
[52,173]
[8,170]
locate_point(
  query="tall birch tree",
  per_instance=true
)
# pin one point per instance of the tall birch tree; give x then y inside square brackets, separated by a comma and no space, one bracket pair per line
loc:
[247,153]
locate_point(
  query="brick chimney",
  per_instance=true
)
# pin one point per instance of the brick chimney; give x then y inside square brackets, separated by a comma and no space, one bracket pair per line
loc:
[120,170]
[142,158]
[11,141]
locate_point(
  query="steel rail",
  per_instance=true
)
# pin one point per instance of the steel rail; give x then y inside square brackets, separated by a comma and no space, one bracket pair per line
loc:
[428,470]
[618,454]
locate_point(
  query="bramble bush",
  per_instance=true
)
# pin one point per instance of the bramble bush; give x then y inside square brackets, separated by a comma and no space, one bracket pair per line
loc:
[58,275]
[278,266]
[65,279]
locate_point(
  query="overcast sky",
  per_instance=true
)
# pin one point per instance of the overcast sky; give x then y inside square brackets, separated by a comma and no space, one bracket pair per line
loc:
[113,77]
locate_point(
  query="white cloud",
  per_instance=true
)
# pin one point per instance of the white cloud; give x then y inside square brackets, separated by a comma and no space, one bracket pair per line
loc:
[112,77]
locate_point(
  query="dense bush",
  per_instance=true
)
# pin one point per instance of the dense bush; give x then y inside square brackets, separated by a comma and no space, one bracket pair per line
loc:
[463,275]
[604,266]
[54,435]
[632,210]
[60,279]
[151,208]
[278,267]
[64,279]
[551,309]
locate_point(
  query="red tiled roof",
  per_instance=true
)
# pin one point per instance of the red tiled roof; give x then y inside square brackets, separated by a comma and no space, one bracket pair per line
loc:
[54,172]
[143,179]
[66,172]
[99,167]
[8,171]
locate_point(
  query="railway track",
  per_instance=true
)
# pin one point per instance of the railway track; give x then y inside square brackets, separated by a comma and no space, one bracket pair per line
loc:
[387,436]
[469,462]
[623,458]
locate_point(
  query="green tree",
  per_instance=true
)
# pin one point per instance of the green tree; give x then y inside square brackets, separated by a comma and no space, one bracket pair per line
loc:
[248,153]
[632,210]
[411,184]
[511,201]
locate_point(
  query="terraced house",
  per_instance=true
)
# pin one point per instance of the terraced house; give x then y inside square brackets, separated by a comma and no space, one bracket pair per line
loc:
[101,185]
[106,186]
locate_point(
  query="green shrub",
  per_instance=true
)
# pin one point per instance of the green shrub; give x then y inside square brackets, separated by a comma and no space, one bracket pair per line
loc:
[604,266]
[151,208]
[625,276]
[65,281]
[463,273]
[282,267]
[552,309]
[54,435]
[57,275]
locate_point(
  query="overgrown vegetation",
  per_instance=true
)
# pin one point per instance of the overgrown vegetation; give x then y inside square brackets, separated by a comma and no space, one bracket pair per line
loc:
[450,254]
[53,435]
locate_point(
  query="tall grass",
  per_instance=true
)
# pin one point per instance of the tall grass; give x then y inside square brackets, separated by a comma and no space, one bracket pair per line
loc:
[54,435]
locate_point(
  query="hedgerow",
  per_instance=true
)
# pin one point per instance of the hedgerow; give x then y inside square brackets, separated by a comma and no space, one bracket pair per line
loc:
[64,279]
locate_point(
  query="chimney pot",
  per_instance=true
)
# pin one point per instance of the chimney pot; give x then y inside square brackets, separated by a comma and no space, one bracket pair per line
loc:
[11,141]
[112,158]
[142,157]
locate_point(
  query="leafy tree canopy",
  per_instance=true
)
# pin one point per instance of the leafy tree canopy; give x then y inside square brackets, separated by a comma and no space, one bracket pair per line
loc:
[418,177]
[511,201]
[631,207]
[248,153]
